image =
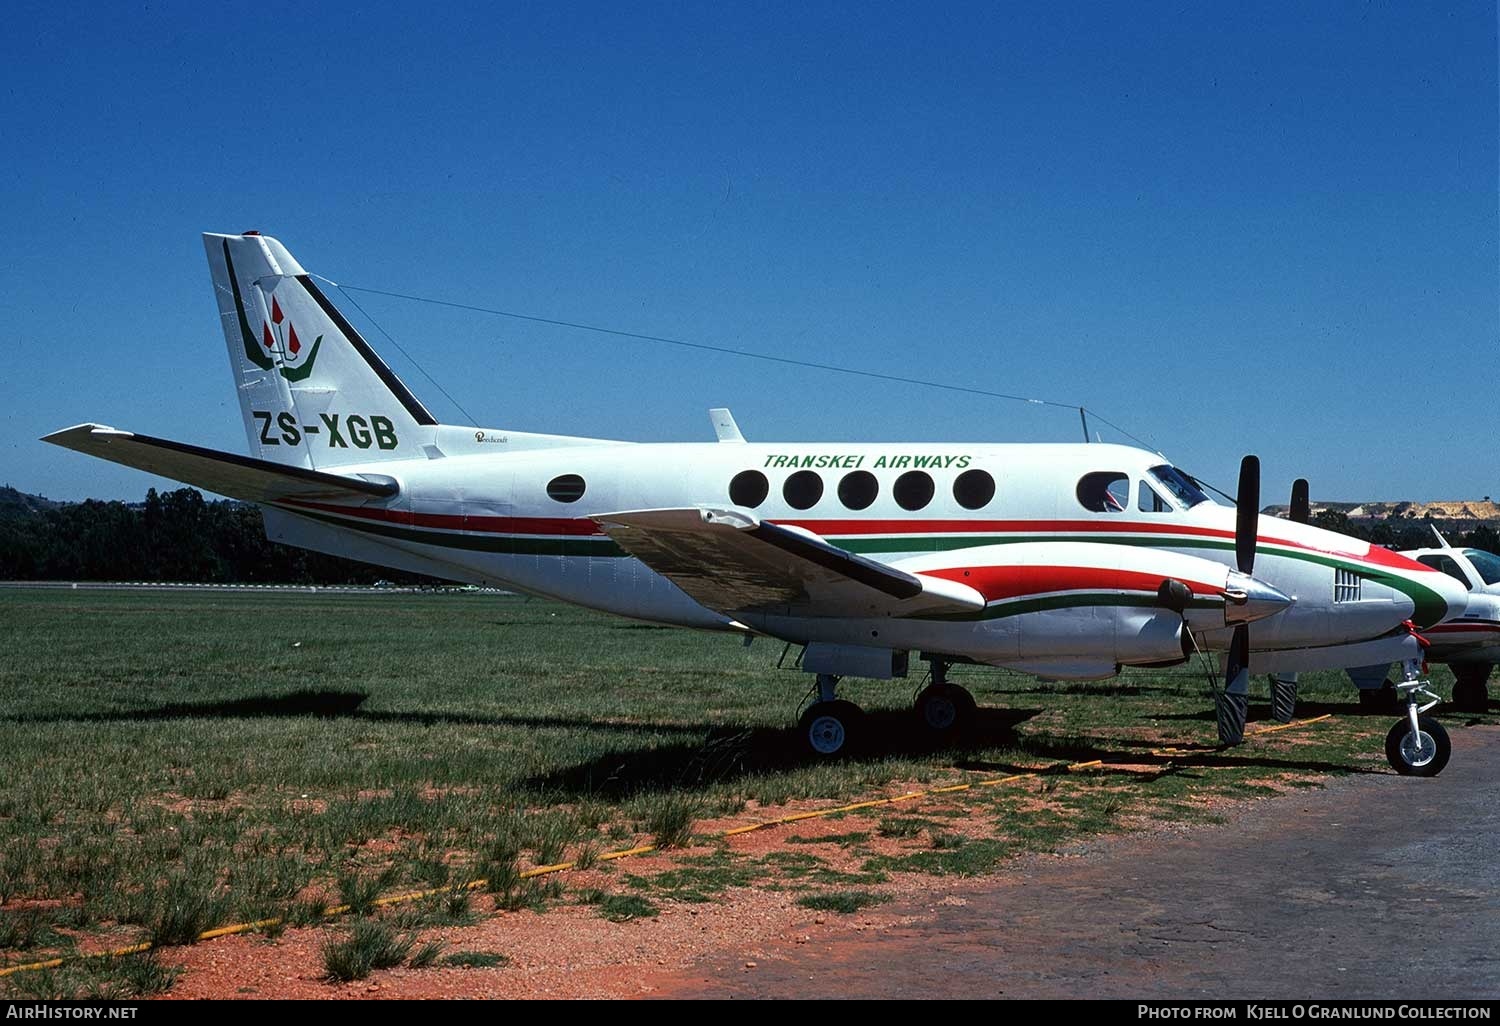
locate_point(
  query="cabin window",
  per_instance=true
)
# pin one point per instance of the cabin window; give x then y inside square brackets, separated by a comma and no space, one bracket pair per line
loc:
[749,489]
[1151,501]
[802,490]
[1104,491]
[913,489]
[973,489]
[858,489]
[566,488]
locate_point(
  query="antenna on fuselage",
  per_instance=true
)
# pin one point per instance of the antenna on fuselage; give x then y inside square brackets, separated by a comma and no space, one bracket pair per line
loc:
[1083,415]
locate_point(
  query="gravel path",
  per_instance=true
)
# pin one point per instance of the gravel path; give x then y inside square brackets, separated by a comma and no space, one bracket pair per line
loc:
[1373,887]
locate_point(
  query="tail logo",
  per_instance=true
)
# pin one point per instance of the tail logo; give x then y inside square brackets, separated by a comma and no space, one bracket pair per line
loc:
[279,339]
[277,347]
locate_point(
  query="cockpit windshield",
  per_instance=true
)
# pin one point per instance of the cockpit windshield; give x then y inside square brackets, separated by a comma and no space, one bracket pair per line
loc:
[1180,485]
[1487,563]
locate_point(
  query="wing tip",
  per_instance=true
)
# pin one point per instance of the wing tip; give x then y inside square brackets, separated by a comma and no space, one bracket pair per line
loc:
[70,437]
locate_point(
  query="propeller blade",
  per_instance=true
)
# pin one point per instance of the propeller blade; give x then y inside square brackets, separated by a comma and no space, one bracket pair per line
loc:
[1301,508]
[1233,704]
[1247,514]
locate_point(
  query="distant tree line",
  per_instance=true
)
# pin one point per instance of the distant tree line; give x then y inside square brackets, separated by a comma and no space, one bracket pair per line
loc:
[172,536]
[180,536]
[1401,533]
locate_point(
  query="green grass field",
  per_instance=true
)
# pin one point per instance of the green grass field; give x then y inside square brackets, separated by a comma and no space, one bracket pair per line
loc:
[173,762]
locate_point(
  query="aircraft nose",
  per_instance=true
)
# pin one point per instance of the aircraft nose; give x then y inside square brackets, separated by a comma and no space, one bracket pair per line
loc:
[1450,602]
[1248,599]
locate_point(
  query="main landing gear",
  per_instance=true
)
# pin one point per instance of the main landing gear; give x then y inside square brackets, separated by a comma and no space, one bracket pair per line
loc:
[1417,746]
[832,727]
[944,710]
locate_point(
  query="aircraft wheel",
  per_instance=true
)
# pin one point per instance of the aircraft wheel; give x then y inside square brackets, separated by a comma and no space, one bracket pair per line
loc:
[1418,755]
[945,709]
[1471,687]
[831,729]
[1379,701]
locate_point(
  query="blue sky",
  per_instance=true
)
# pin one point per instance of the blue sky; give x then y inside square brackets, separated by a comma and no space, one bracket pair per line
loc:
[1228,228]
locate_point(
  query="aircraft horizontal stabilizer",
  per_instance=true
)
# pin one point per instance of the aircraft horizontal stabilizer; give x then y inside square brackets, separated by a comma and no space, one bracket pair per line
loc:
[239,477]
[732,562]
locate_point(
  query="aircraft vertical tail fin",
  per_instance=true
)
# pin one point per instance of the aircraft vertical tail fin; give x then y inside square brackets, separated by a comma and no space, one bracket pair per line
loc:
[312,392]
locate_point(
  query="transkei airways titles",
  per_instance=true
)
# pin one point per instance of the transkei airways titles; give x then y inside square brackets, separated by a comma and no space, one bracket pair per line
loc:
[827,460]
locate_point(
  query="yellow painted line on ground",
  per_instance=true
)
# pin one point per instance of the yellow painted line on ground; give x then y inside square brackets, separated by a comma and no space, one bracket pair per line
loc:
[1249,733]
[909,796]
[612,855]
[53,963]
[225,931]
[1003,780]
[1289,726]
[609,856]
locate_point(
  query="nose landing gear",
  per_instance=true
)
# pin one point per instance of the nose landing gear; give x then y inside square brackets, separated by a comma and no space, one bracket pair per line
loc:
[1417,746]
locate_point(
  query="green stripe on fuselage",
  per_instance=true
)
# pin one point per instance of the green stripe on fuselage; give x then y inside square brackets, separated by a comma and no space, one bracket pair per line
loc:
[1429,605]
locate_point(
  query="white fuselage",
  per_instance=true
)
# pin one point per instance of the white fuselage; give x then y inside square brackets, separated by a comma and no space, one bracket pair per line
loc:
[482,513]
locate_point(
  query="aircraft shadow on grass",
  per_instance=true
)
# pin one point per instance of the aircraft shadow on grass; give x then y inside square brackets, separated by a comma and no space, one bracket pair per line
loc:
[715,753]
[306,702]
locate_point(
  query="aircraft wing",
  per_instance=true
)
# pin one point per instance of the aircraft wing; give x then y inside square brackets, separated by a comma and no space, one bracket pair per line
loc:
[731,562]
[239,477]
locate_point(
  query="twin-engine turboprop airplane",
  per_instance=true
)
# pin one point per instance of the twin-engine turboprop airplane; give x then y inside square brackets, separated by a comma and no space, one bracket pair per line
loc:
[1066,561]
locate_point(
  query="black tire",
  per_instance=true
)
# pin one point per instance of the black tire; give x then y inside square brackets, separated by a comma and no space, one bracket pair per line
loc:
[944,710]
[830,730]
[1425,759]
[1379,701]
[1471,687]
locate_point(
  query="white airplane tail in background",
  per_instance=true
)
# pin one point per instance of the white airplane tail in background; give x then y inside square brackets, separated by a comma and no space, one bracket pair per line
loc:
[312,392]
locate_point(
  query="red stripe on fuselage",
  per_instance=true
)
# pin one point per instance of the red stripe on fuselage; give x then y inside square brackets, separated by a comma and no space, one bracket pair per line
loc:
[455,522]
[584,527]
[996,583]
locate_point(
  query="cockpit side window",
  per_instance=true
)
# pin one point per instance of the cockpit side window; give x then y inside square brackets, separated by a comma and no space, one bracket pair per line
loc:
[1448,566]
[1104,491]
[1150,501]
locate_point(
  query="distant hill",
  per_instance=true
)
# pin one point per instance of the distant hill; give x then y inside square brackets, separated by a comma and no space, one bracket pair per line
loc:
[1462,513]
[14,504]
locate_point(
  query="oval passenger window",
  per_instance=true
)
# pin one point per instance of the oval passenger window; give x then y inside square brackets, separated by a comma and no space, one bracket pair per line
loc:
[749,489]
[973,489]
[858,489]
[913,489]
[802,490]
[567,488]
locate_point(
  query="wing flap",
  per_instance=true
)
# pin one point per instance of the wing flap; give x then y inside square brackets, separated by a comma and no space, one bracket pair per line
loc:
[732,562]
[239,477]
